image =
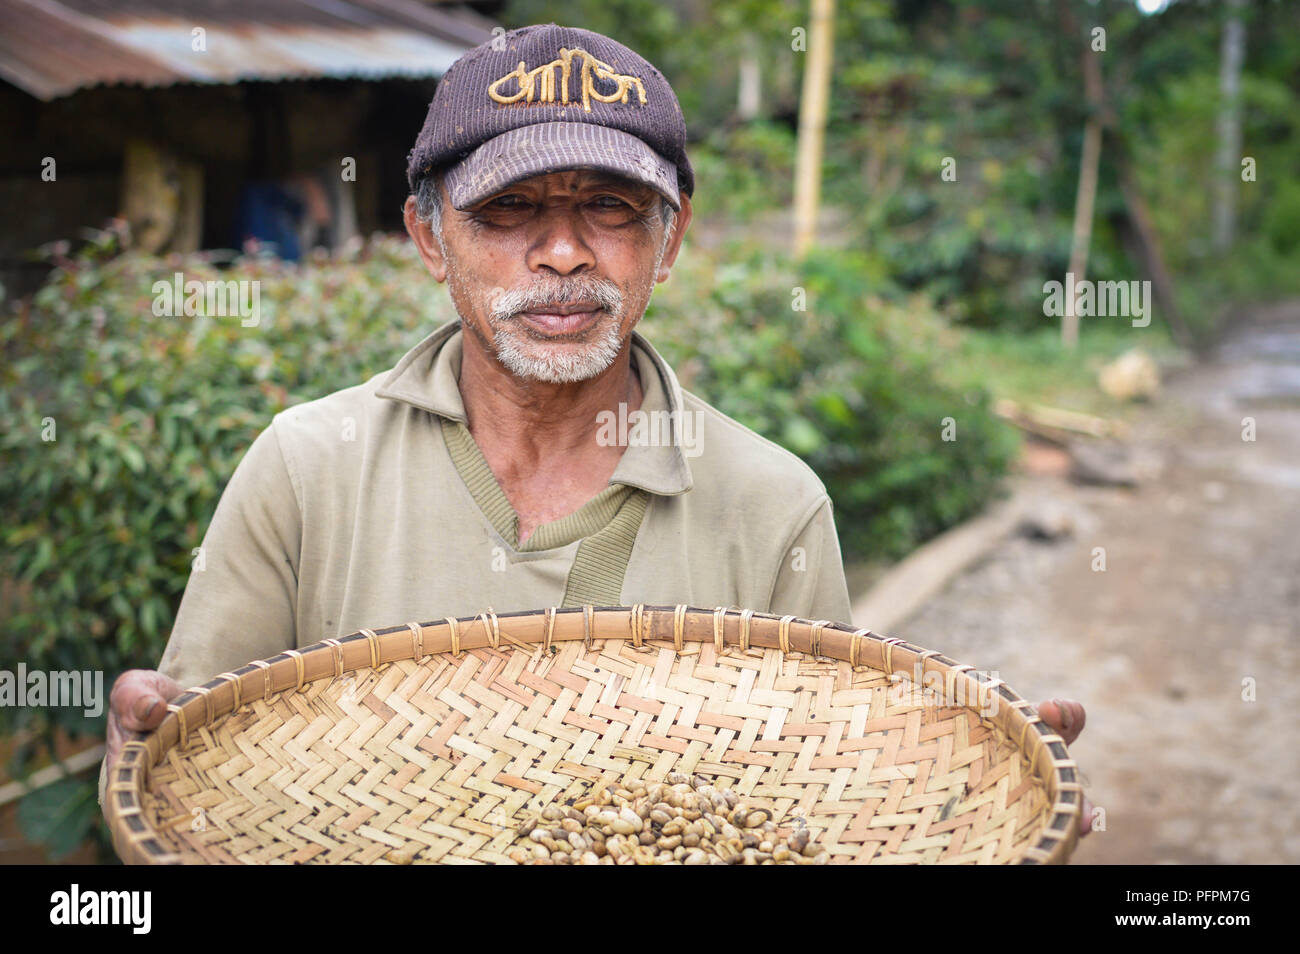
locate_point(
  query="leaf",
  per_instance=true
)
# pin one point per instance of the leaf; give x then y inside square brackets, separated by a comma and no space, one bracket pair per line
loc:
[133,458]
[60,815]
[800,436]
[44,558]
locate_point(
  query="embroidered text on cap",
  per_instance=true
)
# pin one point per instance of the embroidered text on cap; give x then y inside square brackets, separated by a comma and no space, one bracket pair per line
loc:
[539,84]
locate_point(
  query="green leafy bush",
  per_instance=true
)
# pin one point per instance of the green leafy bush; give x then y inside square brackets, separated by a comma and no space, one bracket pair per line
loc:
[743,171]
[122,428]
[852,384]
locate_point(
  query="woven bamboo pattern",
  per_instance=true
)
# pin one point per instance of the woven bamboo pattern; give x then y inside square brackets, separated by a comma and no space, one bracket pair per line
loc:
[430,742]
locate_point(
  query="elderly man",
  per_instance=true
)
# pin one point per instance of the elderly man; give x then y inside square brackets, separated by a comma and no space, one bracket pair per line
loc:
[539,451]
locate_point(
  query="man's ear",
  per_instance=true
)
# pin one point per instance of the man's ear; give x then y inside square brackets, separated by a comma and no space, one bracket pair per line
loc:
[425,242]
[675,243]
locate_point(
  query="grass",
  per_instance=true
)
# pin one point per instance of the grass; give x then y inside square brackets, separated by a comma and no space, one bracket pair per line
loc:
[1035,368]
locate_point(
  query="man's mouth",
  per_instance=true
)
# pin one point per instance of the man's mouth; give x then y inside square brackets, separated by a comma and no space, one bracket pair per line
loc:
[566,319]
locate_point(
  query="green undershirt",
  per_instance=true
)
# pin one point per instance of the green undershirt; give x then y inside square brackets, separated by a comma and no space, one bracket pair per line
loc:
[607,524]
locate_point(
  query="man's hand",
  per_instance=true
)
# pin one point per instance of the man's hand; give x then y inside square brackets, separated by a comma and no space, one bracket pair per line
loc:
[1067,717]
[137,703]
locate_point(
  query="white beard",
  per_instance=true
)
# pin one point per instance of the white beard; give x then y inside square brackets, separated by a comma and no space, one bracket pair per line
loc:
[527,357]
[563,360]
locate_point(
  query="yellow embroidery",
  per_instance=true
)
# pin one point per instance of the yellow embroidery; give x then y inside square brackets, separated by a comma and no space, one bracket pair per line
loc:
[539,84]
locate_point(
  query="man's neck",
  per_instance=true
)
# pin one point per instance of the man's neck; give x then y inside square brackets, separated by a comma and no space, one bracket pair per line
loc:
[534,421]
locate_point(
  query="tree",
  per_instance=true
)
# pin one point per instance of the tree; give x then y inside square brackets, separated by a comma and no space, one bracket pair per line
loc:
[1229,128]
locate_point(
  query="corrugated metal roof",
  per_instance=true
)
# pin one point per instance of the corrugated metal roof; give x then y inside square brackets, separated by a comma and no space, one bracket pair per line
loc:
[51,48]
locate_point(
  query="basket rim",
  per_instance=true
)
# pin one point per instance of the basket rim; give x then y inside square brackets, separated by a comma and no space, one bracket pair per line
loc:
[659,626]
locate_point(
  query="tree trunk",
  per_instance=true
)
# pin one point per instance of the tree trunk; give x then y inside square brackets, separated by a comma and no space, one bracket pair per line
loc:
[1227,170]
[1148,244]
[749,97]
[1142,232]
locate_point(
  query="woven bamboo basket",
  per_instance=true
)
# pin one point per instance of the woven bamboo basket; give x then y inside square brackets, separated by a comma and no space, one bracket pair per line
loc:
[430,742]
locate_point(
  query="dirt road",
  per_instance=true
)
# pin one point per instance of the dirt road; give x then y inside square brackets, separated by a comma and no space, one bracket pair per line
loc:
[1185,649]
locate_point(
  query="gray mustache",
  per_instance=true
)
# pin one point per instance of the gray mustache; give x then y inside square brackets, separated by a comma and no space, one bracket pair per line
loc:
[603,292]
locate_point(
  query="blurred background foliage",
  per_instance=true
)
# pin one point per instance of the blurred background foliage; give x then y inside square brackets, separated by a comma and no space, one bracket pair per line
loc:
[150,415]
[923,301]
[997,86]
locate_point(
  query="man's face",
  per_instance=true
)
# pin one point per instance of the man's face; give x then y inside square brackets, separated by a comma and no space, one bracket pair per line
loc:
[552,273]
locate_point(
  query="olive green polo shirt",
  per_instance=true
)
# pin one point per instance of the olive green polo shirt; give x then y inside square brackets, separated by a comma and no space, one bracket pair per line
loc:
[373,506]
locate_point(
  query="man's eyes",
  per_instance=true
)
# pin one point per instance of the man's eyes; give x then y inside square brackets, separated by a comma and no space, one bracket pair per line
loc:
[514,201]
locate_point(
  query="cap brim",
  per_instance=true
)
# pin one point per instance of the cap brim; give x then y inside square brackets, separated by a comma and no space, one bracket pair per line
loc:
[543,148]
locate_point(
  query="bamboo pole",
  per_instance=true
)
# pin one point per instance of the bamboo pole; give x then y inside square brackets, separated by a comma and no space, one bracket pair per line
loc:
[77,762]
[1086,197]
[812,124]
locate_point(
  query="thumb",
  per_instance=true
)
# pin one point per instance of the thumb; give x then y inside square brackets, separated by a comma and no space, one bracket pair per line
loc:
[1065,716]
[149,710]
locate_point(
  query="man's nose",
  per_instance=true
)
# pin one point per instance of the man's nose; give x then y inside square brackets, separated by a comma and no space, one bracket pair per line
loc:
[560,244]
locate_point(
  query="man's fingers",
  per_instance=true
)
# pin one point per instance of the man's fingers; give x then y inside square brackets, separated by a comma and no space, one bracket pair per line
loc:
[1085,820]
[143,711]
[138,703]
[1064,715]
[145,706]
[139,699]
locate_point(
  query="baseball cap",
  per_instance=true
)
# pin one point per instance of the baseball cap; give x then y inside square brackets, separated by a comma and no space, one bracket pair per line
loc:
[547,98]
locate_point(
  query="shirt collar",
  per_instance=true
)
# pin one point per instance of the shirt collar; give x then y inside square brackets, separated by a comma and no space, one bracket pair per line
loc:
[428,377]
